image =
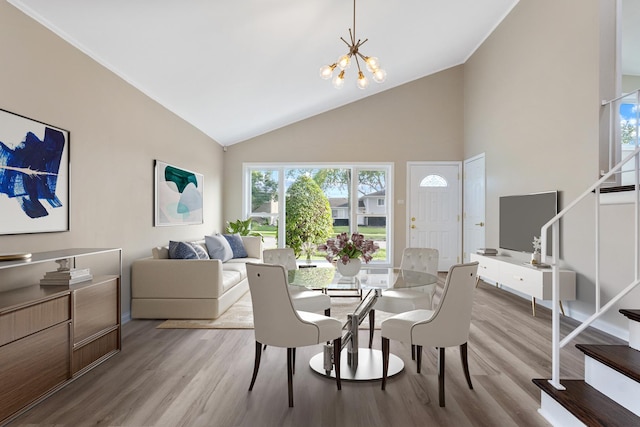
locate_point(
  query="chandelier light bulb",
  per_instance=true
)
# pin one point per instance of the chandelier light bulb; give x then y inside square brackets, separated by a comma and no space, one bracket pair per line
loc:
[338,81]
[379,75]
[362,81]
[344,61]
[327,71]
[373,63]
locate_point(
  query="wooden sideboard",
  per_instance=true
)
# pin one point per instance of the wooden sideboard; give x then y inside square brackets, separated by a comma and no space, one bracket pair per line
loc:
[525,278]
[50,335]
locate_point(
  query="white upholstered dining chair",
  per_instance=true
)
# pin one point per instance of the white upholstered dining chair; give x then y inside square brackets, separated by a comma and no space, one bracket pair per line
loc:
[447,326]
[397,301]
[303,299]
[278,324]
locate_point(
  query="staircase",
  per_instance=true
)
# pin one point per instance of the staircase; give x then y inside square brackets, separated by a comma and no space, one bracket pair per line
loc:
[610,393]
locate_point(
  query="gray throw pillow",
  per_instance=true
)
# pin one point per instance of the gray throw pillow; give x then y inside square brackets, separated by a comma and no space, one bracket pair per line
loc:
[235,241]
[218,247]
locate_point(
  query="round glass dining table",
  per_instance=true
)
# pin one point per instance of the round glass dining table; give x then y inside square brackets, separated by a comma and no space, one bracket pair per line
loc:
[359,364]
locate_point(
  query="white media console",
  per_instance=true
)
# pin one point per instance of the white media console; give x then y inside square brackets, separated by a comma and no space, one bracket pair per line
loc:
[525,278]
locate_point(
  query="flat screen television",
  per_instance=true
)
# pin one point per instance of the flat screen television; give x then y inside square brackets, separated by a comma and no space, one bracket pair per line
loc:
[522,217]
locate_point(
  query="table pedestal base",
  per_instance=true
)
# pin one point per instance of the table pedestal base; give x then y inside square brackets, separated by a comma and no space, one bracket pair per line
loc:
[369,365]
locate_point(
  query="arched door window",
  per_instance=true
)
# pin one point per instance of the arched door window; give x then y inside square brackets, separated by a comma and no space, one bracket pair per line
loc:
[434,181]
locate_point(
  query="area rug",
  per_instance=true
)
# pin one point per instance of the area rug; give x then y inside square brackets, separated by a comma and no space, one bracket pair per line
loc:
[240,316]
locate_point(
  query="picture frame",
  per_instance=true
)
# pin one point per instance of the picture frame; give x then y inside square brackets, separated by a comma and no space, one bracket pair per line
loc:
[178,195]
[34,176]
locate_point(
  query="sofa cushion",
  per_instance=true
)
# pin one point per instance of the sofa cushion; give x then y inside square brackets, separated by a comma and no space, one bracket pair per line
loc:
[160,252]
[230,279]
[218,247]
[235,241]
[182,250]
[235,266]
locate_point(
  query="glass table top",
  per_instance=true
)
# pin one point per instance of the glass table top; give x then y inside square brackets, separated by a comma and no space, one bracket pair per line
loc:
[369,278]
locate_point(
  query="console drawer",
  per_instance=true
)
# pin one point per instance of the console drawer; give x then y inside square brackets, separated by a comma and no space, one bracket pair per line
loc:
[522,279]
[488,268]
[32,366]
[29,320]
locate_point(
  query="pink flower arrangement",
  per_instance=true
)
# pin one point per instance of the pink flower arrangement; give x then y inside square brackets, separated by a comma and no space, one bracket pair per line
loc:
[344,249]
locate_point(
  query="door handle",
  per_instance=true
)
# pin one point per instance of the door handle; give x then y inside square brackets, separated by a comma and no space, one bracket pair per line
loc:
[481,224]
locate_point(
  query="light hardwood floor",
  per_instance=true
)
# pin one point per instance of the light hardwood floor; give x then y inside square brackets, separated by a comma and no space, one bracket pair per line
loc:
[167,377]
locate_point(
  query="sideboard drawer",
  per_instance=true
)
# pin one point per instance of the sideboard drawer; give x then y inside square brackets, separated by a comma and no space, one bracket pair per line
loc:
[29,320]
[32,366]
[523,279]
[95,309]
[488,268]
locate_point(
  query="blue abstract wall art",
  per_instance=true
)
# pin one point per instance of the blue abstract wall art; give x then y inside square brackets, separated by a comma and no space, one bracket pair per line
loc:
[34,176]
[179,193]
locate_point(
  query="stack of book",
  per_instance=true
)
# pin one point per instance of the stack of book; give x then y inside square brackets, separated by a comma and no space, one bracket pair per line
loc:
[487,251]
[66,277]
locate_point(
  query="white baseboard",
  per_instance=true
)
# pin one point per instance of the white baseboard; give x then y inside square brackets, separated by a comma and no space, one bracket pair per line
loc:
[125,317]
[599,324]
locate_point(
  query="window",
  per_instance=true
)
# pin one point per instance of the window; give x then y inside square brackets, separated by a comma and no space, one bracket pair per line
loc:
[271,196]
[434,181]
[628,122]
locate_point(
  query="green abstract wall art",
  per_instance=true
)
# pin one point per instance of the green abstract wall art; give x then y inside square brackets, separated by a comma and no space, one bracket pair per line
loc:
[178,195]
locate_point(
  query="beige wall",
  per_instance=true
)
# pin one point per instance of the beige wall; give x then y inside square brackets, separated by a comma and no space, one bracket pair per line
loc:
[116,132]
[532,102]
[419,121]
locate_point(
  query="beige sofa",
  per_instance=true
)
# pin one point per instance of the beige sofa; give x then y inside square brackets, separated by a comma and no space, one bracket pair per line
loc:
[163,288]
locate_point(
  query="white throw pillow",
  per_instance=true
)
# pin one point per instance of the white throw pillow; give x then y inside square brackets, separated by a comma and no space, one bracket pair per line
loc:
[218,247]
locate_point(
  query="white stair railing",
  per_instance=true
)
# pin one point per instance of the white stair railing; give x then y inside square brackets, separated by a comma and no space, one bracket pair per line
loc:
[557,343]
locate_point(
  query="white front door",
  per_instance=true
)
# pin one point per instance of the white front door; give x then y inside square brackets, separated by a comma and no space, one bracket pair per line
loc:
[474,205]
[434,208]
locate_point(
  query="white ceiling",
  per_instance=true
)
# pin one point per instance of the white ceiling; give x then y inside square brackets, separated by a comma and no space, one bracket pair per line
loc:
[238,69]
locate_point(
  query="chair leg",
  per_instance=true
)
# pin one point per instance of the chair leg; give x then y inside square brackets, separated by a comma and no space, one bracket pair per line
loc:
[465,364]
[418,357]
[413,352]
[290,375]
[337,347]
[256,364]
[327,312]
[293,361]
[441,376]
[372,324]
[385,361]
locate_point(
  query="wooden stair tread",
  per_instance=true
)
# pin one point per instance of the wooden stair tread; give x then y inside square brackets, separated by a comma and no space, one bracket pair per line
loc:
[589,405]
[631,314]
[617,189]
[622,358]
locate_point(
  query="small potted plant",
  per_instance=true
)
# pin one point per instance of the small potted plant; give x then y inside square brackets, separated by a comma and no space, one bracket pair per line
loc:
[349,252]
[535,256]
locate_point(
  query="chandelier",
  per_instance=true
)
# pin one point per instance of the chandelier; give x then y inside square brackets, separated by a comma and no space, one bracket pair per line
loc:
[373,66]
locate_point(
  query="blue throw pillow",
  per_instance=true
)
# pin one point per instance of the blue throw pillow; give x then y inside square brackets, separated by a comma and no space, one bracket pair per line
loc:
[218,247]
[182,250]
[235,241]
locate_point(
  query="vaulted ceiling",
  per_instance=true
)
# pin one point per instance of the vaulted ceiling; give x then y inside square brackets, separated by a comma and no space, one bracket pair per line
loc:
[238,69]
